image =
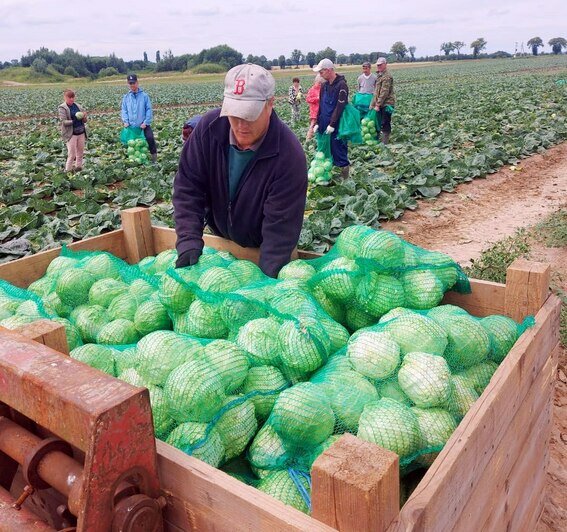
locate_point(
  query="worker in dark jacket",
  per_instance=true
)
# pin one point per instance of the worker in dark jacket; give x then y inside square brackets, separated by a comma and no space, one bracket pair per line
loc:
[333,99]
[243,173]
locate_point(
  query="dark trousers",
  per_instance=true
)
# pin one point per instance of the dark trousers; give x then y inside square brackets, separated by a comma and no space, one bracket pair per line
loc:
[149,134]
[339,151]
[385,120]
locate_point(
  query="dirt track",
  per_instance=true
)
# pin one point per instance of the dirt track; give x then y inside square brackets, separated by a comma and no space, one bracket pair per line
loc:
[465,222]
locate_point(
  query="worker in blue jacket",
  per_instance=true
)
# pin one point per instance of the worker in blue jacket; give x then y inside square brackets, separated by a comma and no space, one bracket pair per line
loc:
[332,102]
[243,173]
[137,112]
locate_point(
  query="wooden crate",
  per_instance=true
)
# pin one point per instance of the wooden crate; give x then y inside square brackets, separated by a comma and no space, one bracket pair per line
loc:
[489,476]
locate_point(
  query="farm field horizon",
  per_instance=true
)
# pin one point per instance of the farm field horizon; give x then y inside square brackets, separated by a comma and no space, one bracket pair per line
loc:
[454,122]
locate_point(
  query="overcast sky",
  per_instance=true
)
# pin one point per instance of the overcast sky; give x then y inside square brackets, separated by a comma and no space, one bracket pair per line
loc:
[99,27]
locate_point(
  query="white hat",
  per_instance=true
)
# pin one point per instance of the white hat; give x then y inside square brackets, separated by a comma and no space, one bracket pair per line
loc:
[246,90]
[324,63]
[381,61]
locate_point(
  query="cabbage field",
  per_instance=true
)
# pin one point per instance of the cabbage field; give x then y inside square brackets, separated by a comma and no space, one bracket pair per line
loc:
[453,122]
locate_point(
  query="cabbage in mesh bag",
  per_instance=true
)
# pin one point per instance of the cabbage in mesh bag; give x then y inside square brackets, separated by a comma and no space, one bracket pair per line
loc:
[199,440]
[281,486]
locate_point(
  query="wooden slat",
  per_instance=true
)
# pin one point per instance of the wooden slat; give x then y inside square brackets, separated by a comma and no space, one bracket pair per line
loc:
[164,238]
[521,490]
[527,287]
[201,497]
[22,272]
[138,235]
[529,425]
[440,496]
[356,486]
[46,332]
[485,298]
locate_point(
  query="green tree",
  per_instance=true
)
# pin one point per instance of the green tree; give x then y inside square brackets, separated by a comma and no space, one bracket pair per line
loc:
[158,57]
[447,47]
[281,61]
[457,45]
[399,49]
[145,57]
[342,59]
[412,50]
[478,45]
[310,58]
[328,53]
[39,65]
[296,57]
[557,44]
[534,43]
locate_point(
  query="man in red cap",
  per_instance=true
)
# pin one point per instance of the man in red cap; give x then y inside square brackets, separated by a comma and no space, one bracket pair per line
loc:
[243,173]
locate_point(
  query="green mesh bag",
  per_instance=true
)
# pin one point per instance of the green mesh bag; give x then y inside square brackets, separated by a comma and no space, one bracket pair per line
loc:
[281,486]
[370,127]
[19,307]
[368,273]
[198,440]
[321,166]
[349,125]
[98,356]
[362,102]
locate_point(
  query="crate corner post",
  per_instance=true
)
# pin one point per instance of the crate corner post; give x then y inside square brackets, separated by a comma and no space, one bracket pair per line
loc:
[527,288]
[138,234]
[356,486]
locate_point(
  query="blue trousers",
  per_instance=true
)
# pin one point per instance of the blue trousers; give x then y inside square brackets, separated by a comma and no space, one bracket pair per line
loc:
[339,151]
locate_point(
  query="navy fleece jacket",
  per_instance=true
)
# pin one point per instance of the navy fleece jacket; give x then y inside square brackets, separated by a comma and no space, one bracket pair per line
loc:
[268,206]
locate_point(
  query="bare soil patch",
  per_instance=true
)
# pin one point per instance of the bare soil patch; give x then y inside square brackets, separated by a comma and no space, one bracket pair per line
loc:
[482,212]
[465,222]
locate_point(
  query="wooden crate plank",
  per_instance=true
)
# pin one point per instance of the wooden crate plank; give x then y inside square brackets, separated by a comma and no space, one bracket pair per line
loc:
[201,497]
[356,486]
[528,425]
[485,298]
[519,490]
[527,287]
[46,332]
[164,238]
[442,489]
[138,234]
[22,272]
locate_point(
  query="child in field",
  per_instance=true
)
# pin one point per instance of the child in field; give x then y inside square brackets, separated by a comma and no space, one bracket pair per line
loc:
[295,95]
[312,99]
[189,126]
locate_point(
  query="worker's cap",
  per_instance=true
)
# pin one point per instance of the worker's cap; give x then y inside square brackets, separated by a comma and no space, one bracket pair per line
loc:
[324,63]
[366,64]
[132,78]
[246,90]
[381,61]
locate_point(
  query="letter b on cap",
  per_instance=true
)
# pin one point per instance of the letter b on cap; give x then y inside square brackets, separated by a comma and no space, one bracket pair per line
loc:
[239,86]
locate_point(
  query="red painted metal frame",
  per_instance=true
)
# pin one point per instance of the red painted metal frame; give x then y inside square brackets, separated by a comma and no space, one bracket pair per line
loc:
[107,419]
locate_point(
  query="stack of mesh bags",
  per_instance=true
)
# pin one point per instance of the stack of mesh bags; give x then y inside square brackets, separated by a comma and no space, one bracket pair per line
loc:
[404,384]
[283,328]
[106,300]
[368,273]
[201,391]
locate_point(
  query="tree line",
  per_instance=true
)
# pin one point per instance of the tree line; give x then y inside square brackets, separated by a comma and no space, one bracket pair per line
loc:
[223,57]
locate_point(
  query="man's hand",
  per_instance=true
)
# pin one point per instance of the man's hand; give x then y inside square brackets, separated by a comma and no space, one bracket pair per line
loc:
[143,125]
[377,108]
[188,258]
[315,128]
[126,124]
[329,130]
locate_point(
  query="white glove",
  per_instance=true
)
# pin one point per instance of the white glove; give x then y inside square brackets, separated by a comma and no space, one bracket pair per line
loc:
[329,130]
[315,128]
